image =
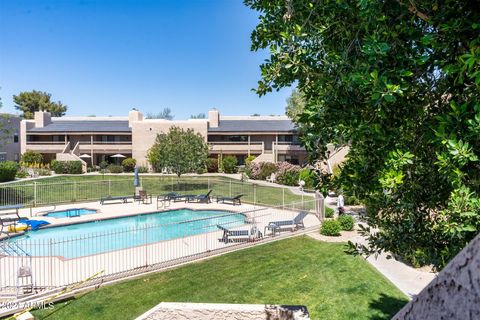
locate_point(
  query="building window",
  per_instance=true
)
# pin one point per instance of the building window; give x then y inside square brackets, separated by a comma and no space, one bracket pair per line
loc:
[15,137]
[3,156]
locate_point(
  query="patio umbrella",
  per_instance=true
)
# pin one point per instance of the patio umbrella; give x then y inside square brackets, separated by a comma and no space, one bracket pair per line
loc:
[135,177]
[118,156]
[86,156]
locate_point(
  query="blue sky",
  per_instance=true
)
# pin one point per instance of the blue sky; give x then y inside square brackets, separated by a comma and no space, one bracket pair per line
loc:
[106,57]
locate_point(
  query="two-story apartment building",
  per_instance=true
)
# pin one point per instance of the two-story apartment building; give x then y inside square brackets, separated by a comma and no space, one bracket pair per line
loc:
[9,137]
[95,139]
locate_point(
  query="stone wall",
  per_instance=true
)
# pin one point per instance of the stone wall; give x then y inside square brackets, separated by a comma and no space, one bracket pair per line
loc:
[454,294]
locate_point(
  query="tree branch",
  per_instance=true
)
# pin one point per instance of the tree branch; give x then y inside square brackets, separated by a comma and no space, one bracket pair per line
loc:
[413,9]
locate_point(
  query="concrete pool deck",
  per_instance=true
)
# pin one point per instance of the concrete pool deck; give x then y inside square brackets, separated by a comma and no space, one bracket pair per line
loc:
[55,270]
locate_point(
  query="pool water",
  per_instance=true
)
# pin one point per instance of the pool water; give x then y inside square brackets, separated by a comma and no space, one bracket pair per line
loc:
[70,213]
[82,239]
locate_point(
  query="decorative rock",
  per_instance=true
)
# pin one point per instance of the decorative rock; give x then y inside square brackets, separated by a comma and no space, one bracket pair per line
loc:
[207,311]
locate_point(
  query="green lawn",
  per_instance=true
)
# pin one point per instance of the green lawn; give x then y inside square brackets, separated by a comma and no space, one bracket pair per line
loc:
[64,189]
[332,284]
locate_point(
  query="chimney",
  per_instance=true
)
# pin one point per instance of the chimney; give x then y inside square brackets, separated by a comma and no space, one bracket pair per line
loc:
[42,119]
[134,115]
[213,118]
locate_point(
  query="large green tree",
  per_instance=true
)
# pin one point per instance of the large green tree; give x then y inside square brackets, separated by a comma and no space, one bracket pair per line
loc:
[30,101]
[179,151]
[400,81]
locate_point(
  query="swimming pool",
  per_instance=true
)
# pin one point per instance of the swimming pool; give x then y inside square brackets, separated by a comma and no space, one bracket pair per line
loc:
[70,213]
[82,239]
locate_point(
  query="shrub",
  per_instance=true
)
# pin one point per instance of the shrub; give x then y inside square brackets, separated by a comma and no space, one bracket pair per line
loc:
[346,222]
[142,169]
[266,170]
[103,165]
[329,212]
[229,164]
[43,172]
[67,167]
[8,170]
[74,167]
[30,157]
[113,168]
[22,173]
[351,200]
[212,165]
[330,228]
[288,178]
[58,166]
[287,173]
[308,176]
[249,159]
[128,164]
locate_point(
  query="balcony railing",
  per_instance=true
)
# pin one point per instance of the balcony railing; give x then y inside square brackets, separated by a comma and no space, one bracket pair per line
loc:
[237,146]
[47,142]
[105,142]
[287,146]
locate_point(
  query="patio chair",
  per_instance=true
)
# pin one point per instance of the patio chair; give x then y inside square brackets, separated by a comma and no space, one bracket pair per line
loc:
[143,197]
[201,198]
[177,197]
[295,223]
[9,216]
[231,200]
[246,235]
[123,199]
[272,178]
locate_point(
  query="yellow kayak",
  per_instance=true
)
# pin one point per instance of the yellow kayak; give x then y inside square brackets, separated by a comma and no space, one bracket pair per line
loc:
[17,228]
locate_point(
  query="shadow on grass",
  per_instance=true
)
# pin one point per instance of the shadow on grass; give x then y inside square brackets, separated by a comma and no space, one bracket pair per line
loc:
[386,306]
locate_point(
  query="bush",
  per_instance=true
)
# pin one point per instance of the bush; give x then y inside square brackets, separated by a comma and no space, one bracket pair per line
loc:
[22,173]
[249,159]
[142,169]
[30,157]
[266,170]
[288,178]
[67,167]
[43,172]
[346,222]
[308,176]
[330,228]
[329,212]
[212,165]
[128,164]
[8,171]
[351,200]
[113,168]
[74,167]
[229,164]
[103,165]
[287,173]
[58,166]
